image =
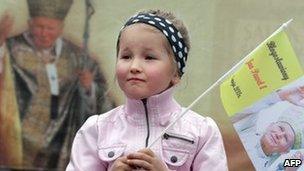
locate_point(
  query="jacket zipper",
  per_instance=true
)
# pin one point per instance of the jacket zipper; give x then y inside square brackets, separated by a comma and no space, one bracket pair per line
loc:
[147,120]
[167,136]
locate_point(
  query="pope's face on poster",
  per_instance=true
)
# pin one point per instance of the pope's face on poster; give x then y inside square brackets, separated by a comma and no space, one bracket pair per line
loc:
[278,138]
[45,31]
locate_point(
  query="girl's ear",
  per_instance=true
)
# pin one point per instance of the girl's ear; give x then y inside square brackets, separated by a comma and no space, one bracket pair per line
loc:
[175,79]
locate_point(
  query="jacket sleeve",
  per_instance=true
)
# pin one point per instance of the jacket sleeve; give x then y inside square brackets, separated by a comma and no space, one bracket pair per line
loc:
[84,155]
[211,153]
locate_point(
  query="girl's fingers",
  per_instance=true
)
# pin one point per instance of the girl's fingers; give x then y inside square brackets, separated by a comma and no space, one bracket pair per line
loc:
[125,167]
[147,151]
[121,164]
[146,159]
[140,156]
[137,163]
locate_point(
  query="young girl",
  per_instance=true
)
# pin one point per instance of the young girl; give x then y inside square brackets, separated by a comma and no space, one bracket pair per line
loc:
[152,50]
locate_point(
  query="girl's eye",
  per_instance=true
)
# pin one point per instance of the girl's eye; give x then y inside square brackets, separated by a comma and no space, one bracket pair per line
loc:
[125,57]
[150,58]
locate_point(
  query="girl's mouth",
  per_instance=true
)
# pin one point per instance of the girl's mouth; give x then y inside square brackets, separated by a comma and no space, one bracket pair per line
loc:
[135,79]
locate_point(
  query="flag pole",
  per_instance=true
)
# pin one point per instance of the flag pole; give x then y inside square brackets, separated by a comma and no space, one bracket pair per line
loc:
[283,26]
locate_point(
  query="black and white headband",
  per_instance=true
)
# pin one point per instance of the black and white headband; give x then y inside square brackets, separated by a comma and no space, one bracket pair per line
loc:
[174,37]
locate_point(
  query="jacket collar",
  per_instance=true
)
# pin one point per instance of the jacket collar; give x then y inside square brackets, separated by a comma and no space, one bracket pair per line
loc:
[160,109]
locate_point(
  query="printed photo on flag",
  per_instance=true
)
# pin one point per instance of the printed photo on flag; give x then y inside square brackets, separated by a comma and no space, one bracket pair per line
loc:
[273,126]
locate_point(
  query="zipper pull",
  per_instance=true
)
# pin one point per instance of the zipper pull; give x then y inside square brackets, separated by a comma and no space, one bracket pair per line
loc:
[166,136]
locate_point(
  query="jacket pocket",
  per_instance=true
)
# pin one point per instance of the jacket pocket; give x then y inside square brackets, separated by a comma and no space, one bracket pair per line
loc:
[175,157]
[177,149]
[111,153]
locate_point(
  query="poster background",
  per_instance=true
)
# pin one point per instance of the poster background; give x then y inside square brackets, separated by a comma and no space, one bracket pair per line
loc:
[222,32]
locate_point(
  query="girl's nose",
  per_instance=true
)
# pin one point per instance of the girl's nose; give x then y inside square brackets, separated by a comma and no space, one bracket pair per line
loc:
[135,66]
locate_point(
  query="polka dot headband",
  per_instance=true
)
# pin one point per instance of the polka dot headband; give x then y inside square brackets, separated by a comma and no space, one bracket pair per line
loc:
[174,37]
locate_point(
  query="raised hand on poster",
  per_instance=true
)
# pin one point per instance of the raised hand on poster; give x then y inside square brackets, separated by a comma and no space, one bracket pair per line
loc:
[86,79]
[294,95]
[6,23]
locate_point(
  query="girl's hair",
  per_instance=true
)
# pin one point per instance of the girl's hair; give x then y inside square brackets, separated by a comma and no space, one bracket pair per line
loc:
[179,25]
[175,21]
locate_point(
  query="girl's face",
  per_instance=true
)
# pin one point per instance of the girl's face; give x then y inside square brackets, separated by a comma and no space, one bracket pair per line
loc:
[144,65]
[278,138]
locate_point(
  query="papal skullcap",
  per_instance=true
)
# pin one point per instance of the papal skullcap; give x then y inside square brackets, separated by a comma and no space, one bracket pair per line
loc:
[56,9]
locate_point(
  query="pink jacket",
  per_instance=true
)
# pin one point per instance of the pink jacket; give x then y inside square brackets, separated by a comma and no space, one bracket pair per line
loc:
[193,143]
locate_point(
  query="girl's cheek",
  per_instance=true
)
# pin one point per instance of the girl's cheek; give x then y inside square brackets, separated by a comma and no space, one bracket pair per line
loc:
[120,72]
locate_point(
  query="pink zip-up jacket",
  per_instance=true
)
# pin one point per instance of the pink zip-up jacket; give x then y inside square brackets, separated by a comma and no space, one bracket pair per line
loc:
[193,143]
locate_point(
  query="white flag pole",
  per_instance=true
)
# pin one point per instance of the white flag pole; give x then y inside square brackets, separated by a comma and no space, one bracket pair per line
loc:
[283,26]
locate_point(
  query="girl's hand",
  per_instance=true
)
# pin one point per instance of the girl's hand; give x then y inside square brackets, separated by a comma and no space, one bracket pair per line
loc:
[147,160]
[121,164]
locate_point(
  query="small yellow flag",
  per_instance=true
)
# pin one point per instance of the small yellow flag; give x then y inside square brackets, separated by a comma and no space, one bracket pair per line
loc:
[271,66]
